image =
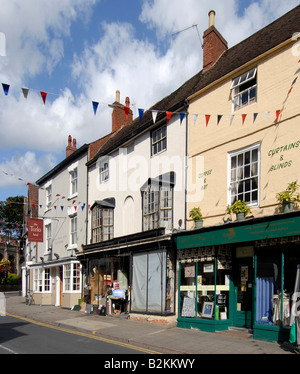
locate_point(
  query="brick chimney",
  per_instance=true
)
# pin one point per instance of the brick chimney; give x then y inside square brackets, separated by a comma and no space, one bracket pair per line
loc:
[214,45]
[70,147]
[122,115]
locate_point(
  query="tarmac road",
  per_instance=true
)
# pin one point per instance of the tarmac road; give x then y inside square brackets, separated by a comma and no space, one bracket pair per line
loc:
[148,336]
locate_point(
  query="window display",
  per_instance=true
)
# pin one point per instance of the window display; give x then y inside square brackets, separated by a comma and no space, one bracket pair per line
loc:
[204,277]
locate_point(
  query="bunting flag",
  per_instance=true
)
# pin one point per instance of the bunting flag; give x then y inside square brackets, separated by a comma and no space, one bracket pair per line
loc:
[5,88]
[254,116]
[169,115]
[141,113]
[25,92]
[181,116]
[126,109]
[95,106]
[231,118]
[219,118]
[195,116]
[154,115]
[243,118]
[267,116]
[277,114]
[207,117]
[44,95]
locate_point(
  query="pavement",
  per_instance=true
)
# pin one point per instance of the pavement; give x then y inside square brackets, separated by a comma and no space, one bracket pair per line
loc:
[166,339]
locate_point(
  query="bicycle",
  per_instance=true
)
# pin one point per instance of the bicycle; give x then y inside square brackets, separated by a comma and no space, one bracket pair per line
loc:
[29,298]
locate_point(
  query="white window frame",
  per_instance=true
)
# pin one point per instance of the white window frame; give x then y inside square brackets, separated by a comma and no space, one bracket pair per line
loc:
[48,235]
[73,233]
[72,277]
[49,196]
[41,280]
[104,171]
[159,140]
[238,94]
[73,172]
[74,181]
[245,179]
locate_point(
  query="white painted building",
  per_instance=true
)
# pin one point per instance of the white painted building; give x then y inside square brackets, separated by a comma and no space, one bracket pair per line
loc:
[55,273]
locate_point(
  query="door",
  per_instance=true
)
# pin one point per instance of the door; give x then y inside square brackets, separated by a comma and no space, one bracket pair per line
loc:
[243,292]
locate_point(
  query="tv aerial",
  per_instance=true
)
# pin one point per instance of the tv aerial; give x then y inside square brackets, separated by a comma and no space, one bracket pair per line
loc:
[187,28]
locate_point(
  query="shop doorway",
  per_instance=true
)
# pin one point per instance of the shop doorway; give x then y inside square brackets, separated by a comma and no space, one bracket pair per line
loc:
[243,292]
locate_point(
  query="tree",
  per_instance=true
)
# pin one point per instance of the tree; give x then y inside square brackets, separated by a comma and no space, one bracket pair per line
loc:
[11,216]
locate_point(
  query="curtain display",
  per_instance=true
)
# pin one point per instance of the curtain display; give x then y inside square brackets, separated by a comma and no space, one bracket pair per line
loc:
[149,282]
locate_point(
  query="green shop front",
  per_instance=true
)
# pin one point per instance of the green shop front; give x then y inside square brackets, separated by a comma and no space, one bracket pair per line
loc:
[240,274]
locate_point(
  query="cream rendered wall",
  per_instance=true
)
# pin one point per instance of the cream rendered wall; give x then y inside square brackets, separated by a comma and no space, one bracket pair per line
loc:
[130,167]
[209,146]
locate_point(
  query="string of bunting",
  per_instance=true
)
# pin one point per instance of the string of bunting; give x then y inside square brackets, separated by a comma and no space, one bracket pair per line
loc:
[95,105]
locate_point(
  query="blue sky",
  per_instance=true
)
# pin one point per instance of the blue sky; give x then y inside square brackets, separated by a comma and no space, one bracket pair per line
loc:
[83,50]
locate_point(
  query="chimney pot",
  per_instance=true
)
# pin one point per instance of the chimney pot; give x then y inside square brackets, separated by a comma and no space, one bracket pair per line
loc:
[69,140]
[74,143]
[211,15]
[127,102]
[117,96]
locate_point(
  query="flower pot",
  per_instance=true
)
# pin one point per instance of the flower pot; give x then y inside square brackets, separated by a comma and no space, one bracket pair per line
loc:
[287,207]
[240,216]
[198,224]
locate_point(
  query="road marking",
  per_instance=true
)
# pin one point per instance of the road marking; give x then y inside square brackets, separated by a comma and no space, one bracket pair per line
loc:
[8,349]
[126,345]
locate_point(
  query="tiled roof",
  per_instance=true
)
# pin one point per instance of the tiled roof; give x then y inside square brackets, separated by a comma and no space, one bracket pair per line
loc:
[257,44]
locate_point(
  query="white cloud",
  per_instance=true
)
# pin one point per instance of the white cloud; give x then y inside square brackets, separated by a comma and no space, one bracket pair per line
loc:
[36,33]
[19,168]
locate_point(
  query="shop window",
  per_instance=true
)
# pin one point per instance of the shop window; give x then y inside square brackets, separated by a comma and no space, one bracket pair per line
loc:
[291,263]
[204,285]
[71,277]
[41,280]
[152,292]
[268,287]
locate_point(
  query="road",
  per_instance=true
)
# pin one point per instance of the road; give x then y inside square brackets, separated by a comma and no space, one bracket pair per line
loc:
[18,336]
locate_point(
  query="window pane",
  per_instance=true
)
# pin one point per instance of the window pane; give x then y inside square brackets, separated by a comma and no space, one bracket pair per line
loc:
[246,187]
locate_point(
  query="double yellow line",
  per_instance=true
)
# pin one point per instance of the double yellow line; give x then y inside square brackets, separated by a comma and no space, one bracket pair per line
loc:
[90,336]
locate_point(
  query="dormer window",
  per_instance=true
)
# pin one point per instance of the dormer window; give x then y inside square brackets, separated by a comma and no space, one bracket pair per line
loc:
[244,89]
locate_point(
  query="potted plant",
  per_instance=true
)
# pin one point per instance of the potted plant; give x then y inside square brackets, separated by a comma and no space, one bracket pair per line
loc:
[197,217]
[240,208]
[289,196]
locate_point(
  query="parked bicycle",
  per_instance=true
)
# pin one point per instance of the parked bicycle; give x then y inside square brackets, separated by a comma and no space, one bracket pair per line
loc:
[29,298]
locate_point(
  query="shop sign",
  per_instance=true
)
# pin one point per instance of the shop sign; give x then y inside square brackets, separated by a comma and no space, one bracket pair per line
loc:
[239,234]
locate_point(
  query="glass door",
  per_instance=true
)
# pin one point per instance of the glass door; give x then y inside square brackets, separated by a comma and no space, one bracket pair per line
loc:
[243,292]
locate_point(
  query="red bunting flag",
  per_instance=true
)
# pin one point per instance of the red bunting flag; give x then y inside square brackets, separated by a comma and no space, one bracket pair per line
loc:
[244,117]
[126,109]
[207,117]
[169,115]
[44,95]
[277,114]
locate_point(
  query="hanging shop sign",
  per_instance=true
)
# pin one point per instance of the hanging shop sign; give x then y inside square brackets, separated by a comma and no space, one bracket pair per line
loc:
[35,230]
